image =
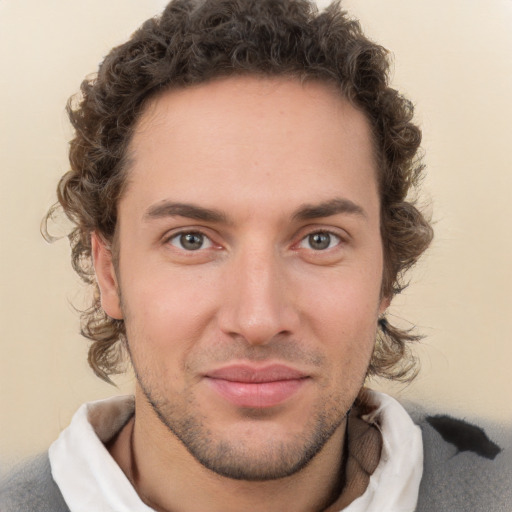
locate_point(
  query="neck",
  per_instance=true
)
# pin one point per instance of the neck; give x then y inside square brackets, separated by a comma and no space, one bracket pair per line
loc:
[168,478]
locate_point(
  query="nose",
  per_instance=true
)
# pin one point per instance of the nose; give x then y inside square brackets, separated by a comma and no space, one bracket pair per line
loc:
[259,301]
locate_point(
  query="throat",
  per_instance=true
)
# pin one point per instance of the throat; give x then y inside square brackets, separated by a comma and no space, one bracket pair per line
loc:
[166,477]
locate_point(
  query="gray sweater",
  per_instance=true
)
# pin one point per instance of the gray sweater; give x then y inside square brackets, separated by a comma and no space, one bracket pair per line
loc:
[464,471]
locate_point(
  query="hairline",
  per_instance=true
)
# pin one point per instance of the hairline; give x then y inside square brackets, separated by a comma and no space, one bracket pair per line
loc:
[127,161]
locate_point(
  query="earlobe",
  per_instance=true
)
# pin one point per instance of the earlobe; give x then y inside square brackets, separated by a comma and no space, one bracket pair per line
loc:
[384,304]
[106,277]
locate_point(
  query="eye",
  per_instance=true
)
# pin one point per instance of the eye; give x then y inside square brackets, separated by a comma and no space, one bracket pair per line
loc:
[319,241]
[191,241]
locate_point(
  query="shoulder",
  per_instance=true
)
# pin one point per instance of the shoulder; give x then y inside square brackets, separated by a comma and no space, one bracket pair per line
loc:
[467,464]
[30,488]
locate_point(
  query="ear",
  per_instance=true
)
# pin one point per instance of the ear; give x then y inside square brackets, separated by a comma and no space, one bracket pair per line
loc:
[106,277]
[384,304]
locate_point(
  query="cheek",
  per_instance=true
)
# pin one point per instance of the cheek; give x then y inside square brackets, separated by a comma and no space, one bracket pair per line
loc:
[344,315]
[345,298]
[349,339]
[165,310]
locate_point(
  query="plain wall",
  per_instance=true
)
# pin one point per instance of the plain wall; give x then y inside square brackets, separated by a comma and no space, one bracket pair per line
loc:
[453,58]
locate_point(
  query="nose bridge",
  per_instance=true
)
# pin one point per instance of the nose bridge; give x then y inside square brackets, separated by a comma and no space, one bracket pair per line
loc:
[259,307]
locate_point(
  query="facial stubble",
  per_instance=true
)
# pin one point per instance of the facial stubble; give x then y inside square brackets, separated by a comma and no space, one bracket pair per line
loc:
[233,458]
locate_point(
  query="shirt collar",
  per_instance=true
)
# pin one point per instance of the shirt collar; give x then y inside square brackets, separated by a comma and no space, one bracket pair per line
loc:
[89,478]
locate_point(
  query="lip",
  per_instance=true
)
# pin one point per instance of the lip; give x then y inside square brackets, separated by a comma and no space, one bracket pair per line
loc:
[256,387]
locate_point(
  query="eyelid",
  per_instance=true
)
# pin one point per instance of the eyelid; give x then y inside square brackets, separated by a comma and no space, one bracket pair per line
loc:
[207,243]
[177,232]
[324,232]
[339,233]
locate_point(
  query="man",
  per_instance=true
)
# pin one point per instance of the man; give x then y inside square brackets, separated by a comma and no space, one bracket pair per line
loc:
[239,181]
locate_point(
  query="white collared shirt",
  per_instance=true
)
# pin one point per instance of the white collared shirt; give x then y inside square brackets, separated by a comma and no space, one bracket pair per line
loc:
[90,480]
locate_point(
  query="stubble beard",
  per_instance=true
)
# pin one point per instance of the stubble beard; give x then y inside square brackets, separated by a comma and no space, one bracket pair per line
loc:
[234,458]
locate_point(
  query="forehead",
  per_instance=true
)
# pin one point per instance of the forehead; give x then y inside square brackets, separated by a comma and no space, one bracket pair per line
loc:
[255,135]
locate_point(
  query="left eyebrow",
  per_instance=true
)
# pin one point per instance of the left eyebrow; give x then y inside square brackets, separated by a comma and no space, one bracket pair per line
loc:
[329,208]
[191,211]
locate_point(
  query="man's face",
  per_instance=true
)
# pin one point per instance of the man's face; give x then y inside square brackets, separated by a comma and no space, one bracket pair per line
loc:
[250,267]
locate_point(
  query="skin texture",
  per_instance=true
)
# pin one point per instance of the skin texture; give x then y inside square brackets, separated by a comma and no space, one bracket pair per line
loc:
[284,267]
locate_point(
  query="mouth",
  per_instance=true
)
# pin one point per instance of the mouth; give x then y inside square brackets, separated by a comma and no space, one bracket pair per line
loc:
[256,387]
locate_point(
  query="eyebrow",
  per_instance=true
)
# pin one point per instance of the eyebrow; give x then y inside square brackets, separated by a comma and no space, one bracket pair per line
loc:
[171,209]
[328,208]
[305,212]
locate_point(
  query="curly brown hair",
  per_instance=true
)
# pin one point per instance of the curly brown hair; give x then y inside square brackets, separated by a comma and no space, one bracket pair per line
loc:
[194,41]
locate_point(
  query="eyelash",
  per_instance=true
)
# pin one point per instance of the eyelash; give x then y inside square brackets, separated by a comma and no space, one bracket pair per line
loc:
[330,236]
[178,237]
[205,238]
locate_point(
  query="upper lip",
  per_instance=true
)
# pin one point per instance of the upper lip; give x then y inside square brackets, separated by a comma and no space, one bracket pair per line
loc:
[252,374]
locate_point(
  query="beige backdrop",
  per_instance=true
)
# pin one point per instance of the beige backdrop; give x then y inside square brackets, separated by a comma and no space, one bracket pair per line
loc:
[454,58]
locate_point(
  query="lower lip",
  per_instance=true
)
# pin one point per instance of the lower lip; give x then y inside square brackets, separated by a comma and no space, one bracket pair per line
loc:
[257,394]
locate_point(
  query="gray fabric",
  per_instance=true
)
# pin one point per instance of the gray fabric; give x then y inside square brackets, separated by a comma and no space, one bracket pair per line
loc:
[452,481]
[31,488]
[463,481]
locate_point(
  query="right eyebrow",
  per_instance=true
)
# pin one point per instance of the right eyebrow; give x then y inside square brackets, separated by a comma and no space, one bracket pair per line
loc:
[328,208]
[172,209]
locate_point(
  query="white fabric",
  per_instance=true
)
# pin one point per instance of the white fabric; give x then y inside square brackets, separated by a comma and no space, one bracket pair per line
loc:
[88,477]
[395,483]
[90,480]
